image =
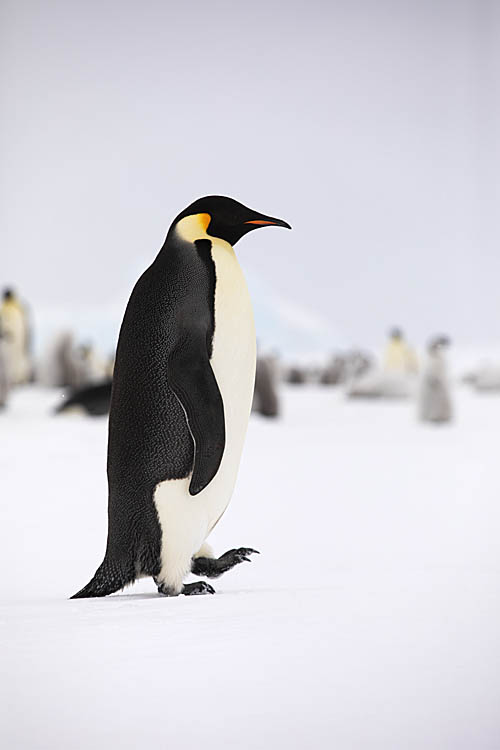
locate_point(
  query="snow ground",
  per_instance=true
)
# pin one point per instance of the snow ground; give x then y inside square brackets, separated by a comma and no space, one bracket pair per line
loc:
[370,620]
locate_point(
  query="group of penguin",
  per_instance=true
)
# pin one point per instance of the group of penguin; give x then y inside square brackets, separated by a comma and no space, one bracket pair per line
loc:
[399,377]
[433,392]
[71,365]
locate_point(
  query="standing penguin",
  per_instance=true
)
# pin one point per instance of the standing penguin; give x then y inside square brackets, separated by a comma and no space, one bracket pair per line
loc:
[4,380]
[399,356]
[434,396]
[181,399]
[266,400]
[16,331]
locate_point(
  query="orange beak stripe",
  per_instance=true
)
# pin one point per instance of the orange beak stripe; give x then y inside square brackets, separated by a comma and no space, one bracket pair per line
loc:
[259,221]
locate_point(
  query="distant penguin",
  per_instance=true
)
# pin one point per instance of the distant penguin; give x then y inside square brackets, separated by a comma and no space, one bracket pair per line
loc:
[486,378]
[341,367]
[93,400]
[55,364]
[16,335]
[399,356]
[296,375]
[181,398]
[266,400]
[66,364]
[434,396]
[4,381]
[334,371]
[87,367]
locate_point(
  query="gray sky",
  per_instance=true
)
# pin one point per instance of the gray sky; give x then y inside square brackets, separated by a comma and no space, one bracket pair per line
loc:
[372,127]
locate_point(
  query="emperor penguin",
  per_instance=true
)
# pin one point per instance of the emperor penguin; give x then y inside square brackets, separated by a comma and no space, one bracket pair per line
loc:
[4,380]
[399,355]
[266,399]
[16,332]
[93,399]
[181,398]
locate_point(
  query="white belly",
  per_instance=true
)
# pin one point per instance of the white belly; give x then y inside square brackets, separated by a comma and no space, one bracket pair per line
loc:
[186,521]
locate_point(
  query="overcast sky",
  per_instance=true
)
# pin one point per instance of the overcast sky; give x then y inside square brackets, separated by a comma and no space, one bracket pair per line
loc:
[372,127]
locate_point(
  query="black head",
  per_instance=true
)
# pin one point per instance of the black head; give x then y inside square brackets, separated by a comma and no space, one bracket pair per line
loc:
[437,343]
[227,219]
[396,334]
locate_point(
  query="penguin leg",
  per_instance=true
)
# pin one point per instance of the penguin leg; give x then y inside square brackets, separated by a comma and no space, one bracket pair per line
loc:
[213,567]
[176,567]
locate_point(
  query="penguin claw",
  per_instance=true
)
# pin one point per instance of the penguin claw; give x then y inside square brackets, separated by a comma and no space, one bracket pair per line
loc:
[197,588]
[242,553]
[215,567]
[235,556]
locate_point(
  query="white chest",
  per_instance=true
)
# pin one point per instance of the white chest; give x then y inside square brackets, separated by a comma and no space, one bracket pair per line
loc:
[233,355]
[186,521]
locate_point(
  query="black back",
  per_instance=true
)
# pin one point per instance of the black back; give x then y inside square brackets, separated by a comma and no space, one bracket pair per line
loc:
[149,438]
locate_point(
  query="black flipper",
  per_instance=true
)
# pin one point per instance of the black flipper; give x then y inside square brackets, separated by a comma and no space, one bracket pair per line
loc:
[109,578]
[193,382]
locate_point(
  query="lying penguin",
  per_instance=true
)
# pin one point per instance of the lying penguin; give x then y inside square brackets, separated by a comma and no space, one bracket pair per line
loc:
[93,400]
[434,400]
[182,392]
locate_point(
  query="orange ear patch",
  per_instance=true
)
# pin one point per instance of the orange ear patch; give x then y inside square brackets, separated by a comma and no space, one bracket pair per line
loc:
[204,220]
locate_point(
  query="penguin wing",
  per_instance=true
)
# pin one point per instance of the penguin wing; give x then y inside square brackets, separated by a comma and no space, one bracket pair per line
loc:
[193,381]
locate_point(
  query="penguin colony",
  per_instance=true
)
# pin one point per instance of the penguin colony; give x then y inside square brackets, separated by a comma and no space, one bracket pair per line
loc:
[181,398]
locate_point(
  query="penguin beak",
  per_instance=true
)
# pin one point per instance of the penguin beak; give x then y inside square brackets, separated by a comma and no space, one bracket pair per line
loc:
[268,221]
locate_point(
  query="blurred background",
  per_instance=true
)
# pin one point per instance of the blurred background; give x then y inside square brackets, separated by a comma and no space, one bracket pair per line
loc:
[373,128]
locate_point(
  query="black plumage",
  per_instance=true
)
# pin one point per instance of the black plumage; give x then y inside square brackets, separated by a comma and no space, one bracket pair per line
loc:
[167,414]
[164,348]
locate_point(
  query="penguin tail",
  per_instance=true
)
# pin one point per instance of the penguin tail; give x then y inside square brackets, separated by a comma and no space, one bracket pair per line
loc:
[109,578]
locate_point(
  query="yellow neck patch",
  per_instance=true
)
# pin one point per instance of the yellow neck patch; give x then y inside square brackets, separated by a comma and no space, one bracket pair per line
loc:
[194,227]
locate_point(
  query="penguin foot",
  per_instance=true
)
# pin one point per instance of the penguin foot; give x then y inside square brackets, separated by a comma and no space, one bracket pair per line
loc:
[214,567]
[189,589]
[197,588]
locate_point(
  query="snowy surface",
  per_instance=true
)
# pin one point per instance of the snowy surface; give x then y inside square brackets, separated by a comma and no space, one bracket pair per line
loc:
[370,620]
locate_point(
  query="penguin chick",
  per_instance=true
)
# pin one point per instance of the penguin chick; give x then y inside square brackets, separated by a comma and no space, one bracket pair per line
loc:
[434,396]
[266,400]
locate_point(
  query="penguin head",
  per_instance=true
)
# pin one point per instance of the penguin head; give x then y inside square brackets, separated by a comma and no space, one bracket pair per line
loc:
[438,343]
[396,334]
[221,218]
